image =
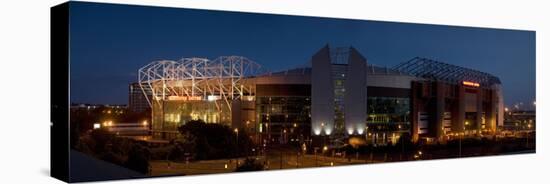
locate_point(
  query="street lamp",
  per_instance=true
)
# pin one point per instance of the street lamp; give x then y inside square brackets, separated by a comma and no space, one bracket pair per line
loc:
[284,136]
[107,123]
[466,124]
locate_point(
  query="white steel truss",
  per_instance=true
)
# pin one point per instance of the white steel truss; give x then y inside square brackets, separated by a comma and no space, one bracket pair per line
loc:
[224,79]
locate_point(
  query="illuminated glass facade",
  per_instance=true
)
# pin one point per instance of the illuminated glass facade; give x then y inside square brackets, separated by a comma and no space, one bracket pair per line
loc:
[172,114]
[339,77]
[388,118]
[284,119]
[392,110]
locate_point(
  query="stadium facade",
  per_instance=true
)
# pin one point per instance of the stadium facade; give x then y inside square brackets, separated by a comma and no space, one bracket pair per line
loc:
[334,96]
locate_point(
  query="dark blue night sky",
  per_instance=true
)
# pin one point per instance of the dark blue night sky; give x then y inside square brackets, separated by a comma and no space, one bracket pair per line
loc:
[109,43]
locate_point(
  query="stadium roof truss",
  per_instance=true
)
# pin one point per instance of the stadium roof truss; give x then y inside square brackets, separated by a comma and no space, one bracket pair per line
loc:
[224,78]
[435,70]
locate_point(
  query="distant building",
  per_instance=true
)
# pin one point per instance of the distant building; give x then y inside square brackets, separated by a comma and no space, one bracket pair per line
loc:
[77,106]
[520,120]
[127,129]
[106,108]
[137,101]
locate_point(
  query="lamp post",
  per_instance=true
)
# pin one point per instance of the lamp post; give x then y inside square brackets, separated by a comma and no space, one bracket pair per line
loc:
[236,130]
[325,149]
[460,145]
[402,148]
[527,135]
[315,153]
[460,138]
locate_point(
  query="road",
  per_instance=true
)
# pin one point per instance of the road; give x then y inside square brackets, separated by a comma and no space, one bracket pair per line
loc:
[288,158]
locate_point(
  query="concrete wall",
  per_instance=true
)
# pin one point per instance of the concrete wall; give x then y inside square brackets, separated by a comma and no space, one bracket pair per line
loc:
[355,99]
[500,102]
[282,79]
[390,80]
[322,94]
[243,111]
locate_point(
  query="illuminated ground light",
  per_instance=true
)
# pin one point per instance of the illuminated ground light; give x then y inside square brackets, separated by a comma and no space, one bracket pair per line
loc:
[360,130]
[107,123]
[350,131]
[328,131]
[317,131]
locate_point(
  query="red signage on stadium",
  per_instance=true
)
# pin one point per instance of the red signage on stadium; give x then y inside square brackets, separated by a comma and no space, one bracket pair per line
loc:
[185,98]
[471,84]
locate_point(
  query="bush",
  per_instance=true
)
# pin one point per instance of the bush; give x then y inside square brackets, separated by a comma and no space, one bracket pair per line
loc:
[112,158]
[160,153]
[102,139]
[176,153]
[86,145]
[138,159]
[250,164]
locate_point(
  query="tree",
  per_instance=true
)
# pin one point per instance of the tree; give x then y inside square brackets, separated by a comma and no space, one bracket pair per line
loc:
[203,150]
[215,141]
[405,141]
